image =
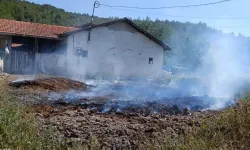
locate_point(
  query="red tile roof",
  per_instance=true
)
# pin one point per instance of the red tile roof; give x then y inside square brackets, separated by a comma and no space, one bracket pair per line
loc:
[20,28]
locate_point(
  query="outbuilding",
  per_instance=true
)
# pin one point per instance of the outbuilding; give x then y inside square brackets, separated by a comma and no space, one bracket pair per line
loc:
[22,44]
[117,48]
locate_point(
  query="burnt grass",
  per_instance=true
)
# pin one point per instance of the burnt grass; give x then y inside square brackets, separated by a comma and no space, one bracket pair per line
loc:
[106,122]
[106,106]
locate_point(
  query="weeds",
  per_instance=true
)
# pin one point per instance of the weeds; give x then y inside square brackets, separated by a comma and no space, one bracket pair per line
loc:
[19,129]
[229,130]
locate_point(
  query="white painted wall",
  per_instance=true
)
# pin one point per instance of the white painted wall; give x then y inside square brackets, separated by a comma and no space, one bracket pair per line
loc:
[116,50]
[50,63]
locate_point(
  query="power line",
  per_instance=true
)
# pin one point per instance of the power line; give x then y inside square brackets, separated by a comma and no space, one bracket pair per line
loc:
[188,17]
[222,27]
[127,8]
[234,27]
[168,7]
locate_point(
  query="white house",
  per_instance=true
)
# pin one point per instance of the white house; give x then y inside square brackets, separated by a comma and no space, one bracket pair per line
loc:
[118,48]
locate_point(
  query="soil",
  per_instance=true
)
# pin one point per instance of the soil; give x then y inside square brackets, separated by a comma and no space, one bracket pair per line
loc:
[35,90]
[115,130]
[130,129]
[52,84]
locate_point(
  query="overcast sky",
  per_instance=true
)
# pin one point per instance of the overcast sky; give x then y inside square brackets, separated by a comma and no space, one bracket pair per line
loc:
[232,9]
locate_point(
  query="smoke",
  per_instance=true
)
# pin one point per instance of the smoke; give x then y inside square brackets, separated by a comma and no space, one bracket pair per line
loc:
[135,97]
[224,65]
[210,64]
[21,78]
[221,65]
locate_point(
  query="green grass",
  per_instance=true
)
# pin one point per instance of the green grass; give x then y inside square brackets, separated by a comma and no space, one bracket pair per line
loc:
[19,129]
[228,130]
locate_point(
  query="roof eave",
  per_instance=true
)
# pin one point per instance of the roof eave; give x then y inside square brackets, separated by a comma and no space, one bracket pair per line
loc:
[139,29]
[166,48]
[42,37]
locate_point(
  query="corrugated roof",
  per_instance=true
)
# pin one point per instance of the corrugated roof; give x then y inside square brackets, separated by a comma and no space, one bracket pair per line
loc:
[139,29]
[20,28]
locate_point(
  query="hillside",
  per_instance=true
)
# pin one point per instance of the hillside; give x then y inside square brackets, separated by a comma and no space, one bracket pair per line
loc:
[26,11]
[189,41]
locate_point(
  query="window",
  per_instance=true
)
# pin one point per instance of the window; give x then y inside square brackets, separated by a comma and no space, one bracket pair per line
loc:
[84,53]
[150,60]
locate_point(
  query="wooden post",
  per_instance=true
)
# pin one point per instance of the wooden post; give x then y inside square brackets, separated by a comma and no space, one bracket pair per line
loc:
[35,51]
[7,57]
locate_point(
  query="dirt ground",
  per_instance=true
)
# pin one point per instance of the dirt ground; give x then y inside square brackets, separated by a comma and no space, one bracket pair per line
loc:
[53,84]
[112,130]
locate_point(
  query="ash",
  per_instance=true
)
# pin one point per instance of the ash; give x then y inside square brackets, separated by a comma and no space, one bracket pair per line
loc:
[127,98]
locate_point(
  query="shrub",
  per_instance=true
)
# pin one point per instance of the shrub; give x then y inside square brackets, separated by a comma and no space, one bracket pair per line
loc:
[19,129]
[229,130]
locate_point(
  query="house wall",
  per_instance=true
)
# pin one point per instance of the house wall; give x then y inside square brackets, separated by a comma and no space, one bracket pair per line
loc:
[51,57]
[31,56]
[116,50]
[22,55]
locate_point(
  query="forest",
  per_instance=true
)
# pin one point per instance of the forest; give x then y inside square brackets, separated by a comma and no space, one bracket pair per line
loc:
[189,41]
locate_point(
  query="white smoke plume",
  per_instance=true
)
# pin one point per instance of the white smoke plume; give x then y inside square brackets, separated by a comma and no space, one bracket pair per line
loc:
[222,72]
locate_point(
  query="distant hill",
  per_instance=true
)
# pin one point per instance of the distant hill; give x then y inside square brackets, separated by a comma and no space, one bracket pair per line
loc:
[47,14]
[188,40]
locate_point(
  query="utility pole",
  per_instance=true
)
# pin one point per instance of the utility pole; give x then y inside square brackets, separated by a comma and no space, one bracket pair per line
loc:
[96,5]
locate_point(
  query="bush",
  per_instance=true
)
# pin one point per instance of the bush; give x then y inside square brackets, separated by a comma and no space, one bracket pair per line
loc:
[228,130]
[19,129]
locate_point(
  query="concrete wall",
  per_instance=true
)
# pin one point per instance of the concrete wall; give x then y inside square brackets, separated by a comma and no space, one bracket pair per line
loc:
[116,50]
[51,63]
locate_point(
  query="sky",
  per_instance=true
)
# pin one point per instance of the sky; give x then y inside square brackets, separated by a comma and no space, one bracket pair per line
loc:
[237,9]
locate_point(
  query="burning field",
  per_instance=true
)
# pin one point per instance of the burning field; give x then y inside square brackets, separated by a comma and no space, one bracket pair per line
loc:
[115,115]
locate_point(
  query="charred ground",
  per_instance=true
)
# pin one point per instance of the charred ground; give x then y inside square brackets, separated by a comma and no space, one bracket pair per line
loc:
[82,119]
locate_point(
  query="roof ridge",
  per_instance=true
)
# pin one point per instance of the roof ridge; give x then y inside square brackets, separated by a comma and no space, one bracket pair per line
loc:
[38,23]
[130,22]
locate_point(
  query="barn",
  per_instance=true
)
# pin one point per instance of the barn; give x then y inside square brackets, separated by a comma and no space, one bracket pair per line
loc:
[26,42]
[117,48]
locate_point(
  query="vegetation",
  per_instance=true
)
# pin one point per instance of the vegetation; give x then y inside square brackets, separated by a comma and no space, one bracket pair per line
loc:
[19,129]
[25,11]
[229,130]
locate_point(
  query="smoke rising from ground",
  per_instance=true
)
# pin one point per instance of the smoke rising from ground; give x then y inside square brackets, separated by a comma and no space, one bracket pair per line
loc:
[223,66]
[215,66]
[222,73]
